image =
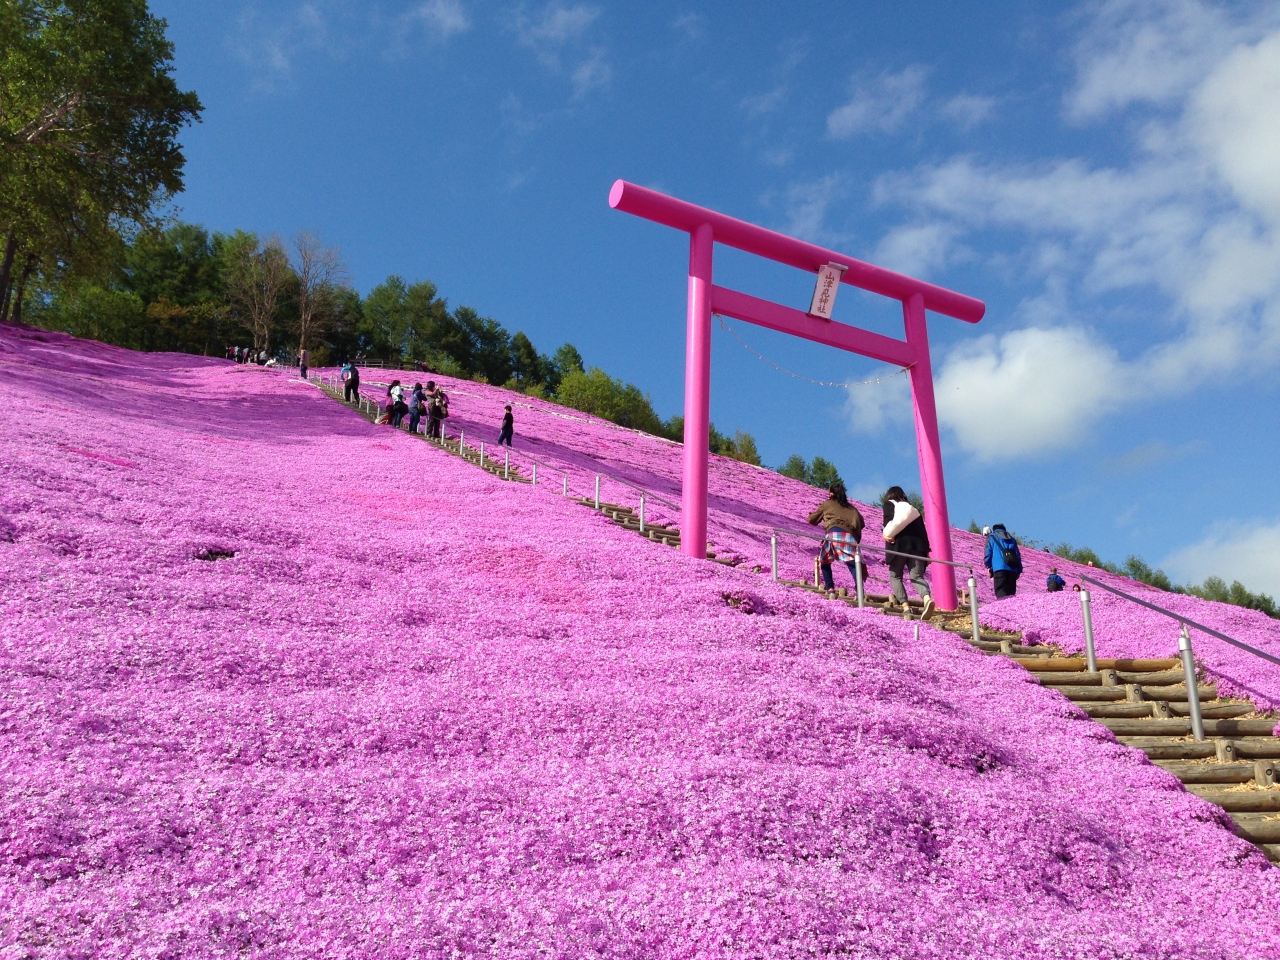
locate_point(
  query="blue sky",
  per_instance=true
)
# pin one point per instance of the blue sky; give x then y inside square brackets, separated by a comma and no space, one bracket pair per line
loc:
[1105,176]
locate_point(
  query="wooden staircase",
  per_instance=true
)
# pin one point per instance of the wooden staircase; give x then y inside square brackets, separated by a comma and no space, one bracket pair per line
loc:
[1142,702]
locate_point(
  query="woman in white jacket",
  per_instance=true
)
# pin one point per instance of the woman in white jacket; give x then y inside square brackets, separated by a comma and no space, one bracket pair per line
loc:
[904,531]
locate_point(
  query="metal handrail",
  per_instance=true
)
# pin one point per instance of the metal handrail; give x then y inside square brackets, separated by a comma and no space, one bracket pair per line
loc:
[1186,621]
[1184,646]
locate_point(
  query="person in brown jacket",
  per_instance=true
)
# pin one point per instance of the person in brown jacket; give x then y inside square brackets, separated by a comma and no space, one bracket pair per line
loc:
[843,525]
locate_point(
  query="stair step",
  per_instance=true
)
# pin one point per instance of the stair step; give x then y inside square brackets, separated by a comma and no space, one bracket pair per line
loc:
[1189,771]
[1181,728]
[1211,711]
[1088,694]
[1179,692]
[1260,831]
[1163,748]
[1240,800]
[1117,710]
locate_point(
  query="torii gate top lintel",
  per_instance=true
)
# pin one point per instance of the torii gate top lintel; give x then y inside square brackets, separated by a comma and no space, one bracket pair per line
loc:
[682,215]
[706,228]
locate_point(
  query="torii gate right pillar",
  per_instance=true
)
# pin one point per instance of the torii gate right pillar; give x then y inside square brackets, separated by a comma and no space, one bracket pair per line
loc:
[933,488]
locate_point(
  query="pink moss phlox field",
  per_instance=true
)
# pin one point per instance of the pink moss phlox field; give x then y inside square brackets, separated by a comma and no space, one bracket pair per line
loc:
[280,683]
[746,502]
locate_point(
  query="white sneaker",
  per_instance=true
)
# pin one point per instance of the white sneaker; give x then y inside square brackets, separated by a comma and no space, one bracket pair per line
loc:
[927,612]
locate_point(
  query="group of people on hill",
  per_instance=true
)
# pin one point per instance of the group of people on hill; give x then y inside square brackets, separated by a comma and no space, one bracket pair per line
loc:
[905,537]
[907,547]
[429,402]
[248,355]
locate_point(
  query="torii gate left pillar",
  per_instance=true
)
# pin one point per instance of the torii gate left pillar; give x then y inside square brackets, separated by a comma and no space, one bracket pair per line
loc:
[705,229]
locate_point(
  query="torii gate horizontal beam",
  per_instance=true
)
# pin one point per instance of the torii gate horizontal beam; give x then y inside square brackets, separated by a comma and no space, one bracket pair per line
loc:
[658,207]
[775,316]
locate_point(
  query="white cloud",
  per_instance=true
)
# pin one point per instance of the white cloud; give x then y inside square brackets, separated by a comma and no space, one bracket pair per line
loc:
[559,34]
[806,207]
[881,105]
[271,46]
[555,27]
[1027,392]
[592,73]
[968,110]
[873,406]
[1235,120]
[1191,223]
[440,18]
[1248,552]
[763,103]
[692,25]
[1145,51]
[917,250]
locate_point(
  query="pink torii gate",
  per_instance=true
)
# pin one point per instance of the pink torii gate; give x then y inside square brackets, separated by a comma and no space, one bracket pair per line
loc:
[705,229]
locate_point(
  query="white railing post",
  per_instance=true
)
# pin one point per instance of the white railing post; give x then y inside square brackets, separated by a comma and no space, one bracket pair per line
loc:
[597,491]
[1193,685]
[773,553]
[482,453]
[506,465]
[535,472]
[857,576]
[642,514]
[973,608]
[461,449]
[566,485]
[1090,653]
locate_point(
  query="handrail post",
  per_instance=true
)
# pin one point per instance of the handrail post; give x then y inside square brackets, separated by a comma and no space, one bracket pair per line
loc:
[1091,656]
[462,452]
[565,491]
[506,465]
[642,514]
[816,562]
[535,472]
[1193,688]
[482,453]
[597,491]
[857,576]
[773,553]
[973,608]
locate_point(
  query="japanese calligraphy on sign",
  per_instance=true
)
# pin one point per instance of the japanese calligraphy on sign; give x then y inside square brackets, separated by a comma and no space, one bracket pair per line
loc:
[824,294]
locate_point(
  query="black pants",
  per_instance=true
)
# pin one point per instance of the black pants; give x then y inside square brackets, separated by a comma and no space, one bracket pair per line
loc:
[433,427]
[1006,583]
[505,436]
[351,392]
[302,371]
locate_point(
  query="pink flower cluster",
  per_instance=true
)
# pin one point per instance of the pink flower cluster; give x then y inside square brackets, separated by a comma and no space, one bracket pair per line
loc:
[280,683]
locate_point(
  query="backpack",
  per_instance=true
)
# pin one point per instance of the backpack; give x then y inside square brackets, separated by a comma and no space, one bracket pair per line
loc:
[1009,551]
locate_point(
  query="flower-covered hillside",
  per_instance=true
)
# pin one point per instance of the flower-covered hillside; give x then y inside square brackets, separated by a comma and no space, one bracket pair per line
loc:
[747,502]
[279,683]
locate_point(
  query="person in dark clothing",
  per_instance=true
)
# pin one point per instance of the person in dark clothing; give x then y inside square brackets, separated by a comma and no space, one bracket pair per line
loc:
[1003,560]
[417,403]
[508,427]
[350,382]
[304,361]
[842,525]
[433,410]
[1055,583]
[904,532]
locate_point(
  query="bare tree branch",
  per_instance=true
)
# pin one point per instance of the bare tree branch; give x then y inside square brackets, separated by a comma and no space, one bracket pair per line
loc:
[321,274]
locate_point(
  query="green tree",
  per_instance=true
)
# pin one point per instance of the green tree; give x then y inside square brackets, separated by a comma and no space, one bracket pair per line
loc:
[565,360]
[796,468]
[594,391]
[89,123]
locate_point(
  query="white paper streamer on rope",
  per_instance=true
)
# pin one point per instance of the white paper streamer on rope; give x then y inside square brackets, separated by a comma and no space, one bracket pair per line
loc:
[724,325]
